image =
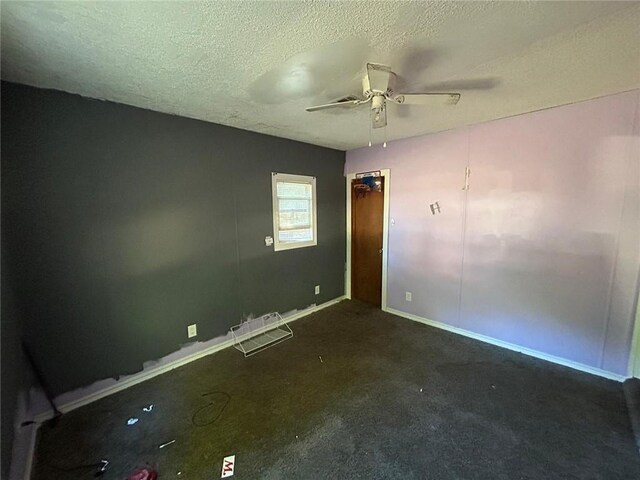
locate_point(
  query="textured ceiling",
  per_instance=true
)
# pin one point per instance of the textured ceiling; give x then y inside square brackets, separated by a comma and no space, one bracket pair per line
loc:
[256,65]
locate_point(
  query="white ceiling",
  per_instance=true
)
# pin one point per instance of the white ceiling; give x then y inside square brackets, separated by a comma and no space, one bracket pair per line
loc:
[255,65]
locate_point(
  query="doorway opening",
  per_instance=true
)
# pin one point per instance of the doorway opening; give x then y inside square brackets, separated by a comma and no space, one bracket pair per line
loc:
[367,214]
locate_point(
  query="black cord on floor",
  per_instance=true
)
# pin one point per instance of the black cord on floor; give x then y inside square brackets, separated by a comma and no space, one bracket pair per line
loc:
[210,404]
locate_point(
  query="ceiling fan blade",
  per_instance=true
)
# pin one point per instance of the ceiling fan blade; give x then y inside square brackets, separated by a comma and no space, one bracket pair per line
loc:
[483,83]
[332,105]
[426,98]
[379,78]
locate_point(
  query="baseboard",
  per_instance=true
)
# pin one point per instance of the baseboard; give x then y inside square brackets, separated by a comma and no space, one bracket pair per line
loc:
[79,398]
[510,346]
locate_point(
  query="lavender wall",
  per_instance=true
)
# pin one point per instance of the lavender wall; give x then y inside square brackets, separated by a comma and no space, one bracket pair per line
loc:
[542,251]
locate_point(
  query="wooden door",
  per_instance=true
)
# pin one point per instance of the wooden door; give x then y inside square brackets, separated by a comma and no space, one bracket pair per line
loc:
[367,207]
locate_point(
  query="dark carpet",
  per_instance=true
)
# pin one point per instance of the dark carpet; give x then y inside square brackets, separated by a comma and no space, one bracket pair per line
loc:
[631,389]
[389,398]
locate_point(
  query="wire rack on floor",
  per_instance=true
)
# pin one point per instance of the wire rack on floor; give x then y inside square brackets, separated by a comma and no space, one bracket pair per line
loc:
[257,334]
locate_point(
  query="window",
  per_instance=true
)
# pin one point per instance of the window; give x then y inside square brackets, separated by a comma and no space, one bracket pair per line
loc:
[294,211]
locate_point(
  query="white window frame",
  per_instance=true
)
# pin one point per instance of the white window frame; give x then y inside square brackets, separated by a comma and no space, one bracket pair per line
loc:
[289,178]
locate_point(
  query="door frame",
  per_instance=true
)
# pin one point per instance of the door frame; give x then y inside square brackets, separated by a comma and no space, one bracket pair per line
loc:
[386,173]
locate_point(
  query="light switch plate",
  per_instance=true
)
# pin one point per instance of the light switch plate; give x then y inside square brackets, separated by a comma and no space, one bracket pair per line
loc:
[192,330]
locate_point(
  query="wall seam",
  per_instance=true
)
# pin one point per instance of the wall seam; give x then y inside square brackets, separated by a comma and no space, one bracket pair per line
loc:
[235,221]
[463,233]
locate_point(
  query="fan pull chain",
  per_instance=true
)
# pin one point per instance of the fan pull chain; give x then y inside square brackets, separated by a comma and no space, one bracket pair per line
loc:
[384,145]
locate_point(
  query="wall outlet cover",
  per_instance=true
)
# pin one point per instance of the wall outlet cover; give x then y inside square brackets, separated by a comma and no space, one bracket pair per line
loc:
[407,296]
[317,290]
[192,330]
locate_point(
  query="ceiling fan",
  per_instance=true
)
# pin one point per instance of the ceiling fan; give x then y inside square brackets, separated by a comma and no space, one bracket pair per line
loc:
[378,86]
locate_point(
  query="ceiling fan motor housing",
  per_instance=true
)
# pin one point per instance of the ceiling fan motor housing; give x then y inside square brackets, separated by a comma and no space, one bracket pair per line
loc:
[378,111]
[377,102]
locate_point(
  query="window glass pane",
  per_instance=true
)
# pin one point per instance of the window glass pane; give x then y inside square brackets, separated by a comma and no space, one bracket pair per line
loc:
[294,213]
[293,190]
[298,235]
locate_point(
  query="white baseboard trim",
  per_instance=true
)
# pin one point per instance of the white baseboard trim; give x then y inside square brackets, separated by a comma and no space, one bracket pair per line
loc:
[79,398]
[510,346]
[312,309]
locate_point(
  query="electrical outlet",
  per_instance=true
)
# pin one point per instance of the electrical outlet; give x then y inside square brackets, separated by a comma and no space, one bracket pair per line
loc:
[407,296]
[192,330]
[317,289]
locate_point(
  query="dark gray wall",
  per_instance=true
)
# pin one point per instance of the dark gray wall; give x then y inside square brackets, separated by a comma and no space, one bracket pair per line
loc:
[125,225]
